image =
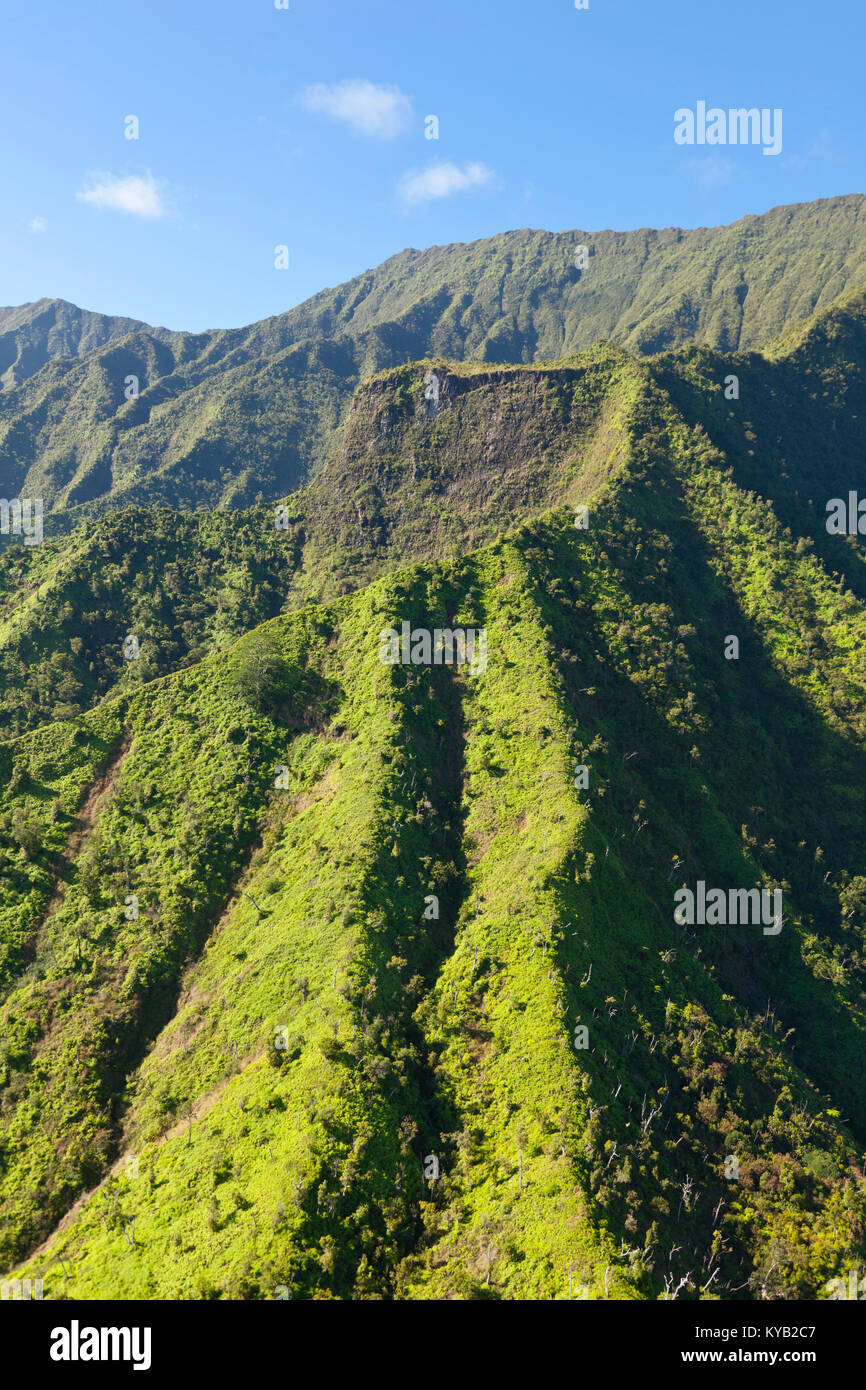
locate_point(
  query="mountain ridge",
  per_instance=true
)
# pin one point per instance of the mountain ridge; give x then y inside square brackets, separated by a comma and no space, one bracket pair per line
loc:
[227,416]
[409,478]
[9,313]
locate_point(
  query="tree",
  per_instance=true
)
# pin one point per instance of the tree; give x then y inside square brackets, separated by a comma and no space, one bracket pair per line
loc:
[26,832]
[260,671]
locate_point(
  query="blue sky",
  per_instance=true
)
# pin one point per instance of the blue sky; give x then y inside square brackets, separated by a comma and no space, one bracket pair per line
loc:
[305,127]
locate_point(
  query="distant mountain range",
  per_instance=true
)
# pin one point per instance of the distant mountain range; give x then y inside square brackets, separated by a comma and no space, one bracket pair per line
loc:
[228,417]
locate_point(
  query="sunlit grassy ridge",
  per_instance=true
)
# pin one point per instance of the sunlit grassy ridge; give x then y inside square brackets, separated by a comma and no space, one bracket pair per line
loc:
[303,1166]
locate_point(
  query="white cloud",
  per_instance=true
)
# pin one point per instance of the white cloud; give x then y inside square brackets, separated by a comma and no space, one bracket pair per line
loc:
[713,170]
[378,111]
[137,195]
[442,180]
[821,148]
[39,225]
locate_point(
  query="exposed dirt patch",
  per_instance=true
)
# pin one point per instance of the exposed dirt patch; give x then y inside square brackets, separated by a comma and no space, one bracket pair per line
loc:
[326,786]
[478,1036]
[191,993]
[206,1103]
[199,1110]
[477,846]
[85,819]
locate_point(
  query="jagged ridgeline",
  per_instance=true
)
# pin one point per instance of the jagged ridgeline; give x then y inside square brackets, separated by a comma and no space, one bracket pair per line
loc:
[328,978]
[101,411]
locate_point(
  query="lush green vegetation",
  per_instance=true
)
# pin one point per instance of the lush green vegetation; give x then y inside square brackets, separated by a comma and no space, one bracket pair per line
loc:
[324,978]
[267,1056]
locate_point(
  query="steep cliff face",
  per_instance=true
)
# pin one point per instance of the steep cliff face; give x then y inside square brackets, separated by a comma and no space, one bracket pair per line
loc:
[424,470]
[440,456]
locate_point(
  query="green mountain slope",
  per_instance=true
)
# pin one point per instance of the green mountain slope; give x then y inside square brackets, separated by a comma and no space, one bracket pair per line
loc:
[223,418]
[322,977]
[239,1092]
[518,297]
[32,335]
